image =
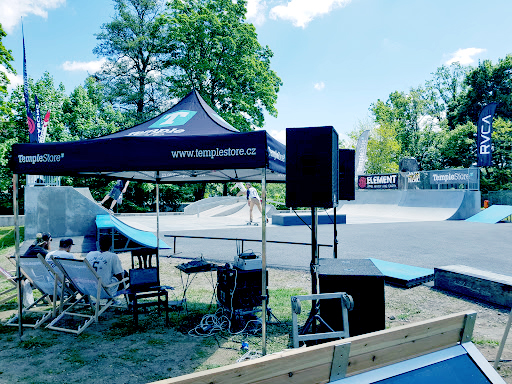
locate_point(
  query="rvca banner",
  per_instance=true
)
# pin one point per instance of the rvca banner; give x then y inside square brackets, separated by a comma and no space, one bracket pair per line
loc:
[484,135]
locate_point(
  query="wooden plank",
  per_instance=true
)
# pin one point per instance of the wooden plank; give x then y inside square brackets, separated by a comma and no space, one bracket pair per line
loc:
[397,353]
[313,364]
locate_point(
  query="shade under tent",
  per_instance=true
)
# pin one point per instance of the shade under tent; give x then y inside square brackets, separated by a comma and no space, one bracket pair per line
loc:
[188,143]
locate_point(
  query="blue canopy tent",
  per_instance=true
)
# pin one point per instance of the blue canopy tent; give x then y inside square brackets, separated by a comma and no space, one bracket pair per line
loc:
[188,143]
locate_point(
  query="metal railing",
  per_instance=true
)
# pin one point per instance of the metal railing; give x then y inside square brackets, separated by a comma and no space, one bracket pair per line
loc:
[43,181]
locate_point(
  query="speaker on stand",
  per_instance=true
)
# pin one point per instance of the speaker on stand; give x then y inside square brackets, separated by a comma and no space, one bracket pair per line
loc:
[346,185]
[312,180]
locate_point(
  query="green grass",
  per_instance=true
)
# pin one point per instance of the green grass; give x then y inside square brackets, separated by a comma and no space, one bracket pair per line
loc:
[74,356]
[493,343]
[7,236]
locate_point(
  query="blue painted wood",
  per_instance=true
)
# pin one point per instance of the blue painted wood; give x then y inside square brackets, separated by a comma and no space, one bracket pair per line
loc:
[492,215]
[293,219]
[147,239]
[402,274]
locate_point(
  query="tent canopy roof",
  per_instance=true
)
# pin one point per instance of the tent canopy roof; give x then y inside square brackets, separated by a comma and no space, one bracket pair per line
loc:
[187,143]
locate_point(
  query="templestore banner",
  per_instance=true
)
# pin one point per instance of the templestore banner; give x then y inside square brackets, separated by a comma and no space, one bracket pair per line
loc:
[463,176]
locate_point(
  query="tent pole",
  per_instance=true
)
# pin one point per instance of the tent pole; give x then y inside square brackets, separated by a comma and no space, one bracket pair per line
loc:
[264,261]
[15,180]
[157,216]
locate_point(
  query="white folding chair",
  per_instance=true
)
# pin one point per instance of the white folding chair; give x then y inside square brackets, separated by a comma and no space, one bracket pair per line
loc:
[95,295]
[7,294]
[42,277]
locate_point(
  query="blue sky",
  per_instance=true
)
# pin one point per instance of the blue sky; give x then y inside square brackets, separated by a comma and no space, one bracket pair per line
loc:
[335,57]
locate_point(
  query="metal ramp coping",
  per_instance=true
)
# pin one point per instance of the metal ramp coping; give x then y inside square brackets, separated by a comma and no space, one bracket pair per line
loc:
[403,275]
[131,238]
[492,215]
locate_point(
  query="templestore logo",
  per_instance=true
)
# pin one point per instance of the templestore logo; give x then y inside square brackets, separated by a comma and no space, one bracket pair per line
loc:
[276,155]
[451,177]
[44,158]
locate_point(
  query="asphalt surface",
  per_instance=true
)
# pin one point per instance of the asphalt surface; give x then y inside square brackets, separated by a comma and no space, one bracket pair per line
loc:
[427,244]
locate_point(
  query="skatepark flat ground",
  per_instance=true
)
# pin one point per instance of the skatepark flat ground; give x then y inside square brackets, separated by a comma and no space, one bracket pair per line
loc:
[427,244]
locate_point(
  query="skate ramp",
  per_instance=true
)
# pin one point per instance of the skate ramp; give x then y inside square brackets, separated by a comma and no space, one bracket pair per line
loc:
[412,205]
[403,275]
[226,206]
[209,203]
[134,238]
[492,215]
[62,211]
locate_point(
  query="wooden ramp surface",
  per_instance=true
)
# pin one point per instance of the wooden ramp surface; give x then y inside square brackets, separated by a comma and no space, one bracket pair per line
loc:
[347,357]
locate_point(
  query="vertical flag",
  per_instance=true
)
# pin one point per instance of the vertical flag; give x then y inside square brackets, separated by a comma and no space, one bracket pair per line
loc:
[42,138]
[484,135]
[39,126]
[361,158]
[30,119]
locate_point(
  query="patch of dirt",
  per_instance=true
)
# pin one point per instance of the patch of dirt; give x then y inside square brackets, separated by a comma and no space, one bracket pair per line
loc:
[113,351]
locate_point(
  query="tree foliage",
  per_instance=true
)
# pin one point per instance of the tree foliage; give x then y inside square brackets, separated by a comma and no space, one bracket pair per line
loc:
[5,61]
[212,49]
[133,44]
[486,83]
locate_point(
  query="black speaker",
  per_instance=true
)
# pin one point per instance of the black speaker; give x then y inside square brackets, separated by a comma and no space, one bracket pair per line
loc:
[362,280]
[312,167]
[347,174]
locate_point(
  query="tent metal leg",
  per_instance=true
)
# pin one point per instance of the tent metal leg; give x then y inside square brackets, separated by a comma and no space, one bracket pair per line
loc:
[264,261]
[15,180]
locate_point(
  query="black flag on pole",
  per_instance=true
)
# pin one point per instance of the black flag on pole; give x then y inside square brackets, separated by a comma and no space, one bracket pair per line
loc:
[484,135]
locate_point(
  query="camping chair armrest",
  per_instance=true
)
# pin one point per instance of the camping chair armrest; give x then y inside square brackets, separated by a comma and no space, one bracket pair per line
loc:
[117,283]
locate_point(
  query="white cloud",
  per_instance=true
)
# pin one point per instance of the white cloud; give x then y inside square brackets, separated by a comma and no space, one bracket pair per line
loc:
[88,66]
[11,11]
[301,12]
[319,86]
[255,11]
[14,80]
[464,56]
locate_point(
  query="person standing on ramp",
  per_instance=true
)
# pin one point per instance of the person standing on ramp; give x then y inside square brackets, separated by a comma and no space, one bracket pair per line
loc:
[116,194]
[253,199]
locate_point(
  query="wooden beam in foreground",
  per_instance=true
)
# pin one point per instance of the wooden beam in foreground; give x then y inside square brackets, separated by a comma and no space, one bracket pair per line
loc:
[367,352]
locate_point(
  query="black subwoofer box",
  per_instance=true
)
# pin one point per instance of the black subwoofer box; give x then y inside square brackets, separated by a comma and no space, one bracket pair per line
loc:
[239,289]
[362,280]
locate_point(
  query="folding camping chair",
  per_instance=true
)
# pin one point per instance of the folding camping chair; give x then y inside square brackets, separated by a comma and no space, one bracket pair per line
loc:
[145,284]
[42,276]
[95,296]
[8,291]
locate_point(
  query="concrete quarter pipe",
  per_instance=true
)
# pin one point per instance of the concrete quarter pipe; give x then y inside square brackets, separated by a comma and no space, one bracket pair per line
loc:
[411,205]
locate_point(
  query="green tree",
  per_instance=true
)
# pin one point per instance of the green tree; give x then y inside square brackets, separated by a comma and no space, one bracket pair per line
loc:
[402,112]
[485,84]
[133,44]
[447,83]
[213,50]
[51,98]
[383,150]
[5,61]
[499,176]
[87,115]
[458,149]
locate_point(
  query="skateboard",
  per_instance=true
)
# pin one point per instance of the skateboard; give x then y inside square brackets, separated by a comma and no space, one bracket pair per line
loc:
[252,223]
